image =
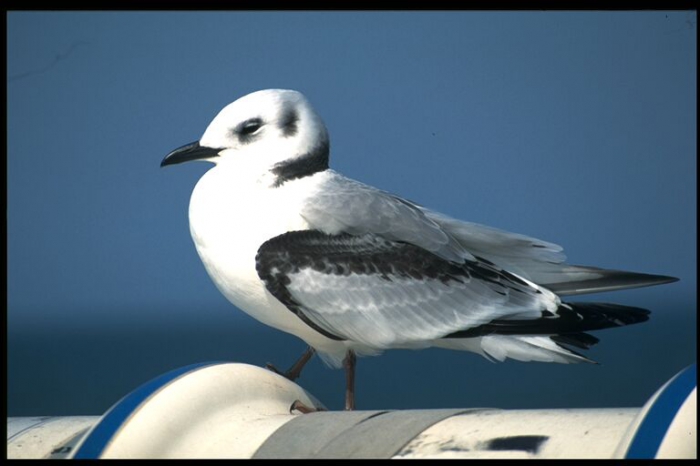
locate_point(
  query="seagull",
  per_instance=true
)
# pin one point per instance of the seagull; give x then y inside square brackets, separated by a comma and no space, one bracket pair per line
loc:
[353,270]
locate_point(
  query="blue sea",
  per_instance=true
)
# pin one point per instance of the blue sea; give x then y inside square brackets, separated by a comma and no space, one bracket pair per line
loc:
[66,370]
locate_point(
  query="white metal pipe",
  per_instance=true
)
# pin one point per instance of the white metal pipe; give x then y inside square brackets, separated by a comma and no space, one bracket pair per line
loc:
[227,410]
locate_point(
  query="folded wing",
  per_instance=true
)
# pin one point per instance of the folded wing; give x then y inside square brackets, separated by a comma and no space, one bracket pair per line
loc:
[343,205]
[385,293]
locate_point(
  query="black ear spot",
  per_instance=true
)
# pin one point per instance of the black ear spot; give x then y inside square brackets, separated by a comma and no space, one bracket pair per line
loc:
[288,122]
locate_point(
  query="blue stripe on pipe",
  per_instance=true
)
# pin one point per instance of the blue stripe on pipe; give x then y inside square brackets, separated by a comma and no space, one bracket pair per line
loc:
[112,421]
[651,432]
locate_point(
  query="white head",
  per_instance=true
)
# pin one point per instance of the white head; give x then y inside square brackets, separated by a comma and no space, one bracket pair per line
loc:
[271,131]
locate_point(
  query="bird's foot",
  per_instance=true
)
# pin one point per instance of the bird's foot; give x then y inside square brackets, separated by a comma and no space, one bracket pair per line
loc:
[302,408]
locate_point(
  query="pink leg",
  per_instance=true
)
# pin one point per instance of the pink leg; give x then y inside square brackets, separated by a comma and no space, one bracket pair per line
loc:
[349,365]
[295,371]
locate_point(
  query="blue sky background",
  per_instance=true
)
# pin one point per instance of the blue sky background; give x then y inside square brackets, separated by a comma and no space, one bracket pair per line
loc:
[576,128]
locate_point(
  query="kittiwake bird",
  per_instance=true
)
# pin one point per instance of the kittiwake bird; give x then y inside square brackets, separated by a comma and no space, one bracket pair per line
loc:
[354,270]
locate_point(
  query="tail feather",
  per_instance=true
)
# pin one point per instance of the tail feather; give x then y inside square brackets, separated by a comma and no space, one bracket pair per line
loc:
[549,338]
[569,318]
[526,348]
[583,341]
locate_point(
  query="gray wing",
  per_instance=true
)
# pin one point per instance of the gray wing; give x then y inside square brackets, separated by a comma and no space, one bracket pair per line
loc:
[384,293]
[342,205]
[539,261]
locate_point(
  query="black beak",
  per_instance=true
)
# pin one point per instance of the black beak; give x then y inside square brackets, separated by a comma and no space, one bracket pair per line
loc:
[188,152]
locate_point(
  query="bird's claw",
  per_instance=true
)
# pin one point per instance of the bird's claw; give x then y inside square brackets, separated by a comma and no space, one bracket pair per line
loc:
[302,408]
[287,375]
[271,367]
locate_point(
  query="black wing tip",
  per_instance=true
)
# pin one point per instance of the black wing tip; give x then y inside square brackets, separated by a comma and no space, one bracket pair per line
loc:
[572,319]
[612,315]
[662,279]
[607,280]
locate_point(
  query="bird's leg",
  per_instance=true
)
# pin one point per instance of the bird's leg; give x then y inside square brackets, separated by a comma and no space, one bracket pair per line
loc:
[295,371]
[293,374]
[349,365]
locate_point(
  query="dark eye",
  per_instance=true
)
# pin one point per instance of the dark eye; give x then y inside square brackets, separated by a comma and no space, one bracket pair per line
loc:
[249,126]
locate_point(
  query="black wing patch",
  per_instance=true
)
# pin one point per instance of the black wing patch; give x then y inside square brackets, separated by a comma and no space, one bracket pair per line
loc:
[280,257]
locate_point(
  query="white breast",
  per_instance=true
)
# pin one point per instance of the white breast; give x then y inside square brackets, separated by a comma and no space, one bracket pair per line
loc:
[230,217]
